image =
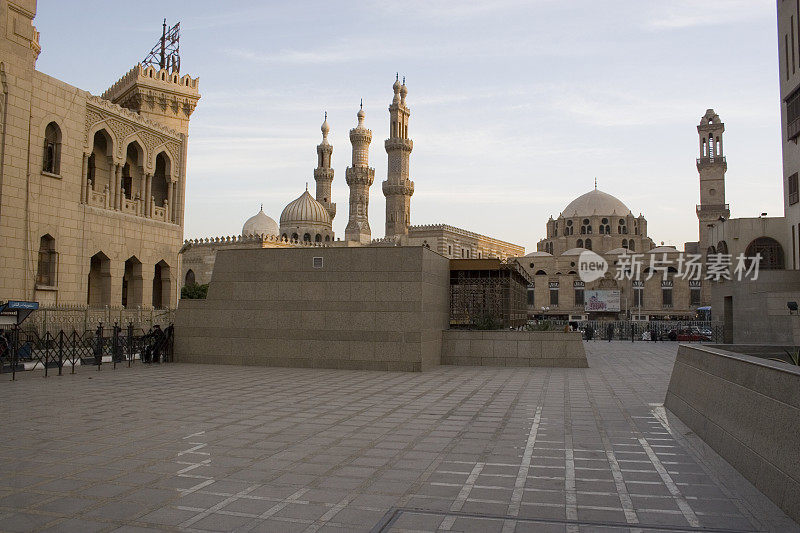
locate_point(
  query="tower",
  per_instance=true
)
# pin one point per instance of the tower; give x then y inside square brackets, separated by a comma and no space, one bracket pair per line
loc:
[323,174]
[711,166]
[359,177]
[398,188]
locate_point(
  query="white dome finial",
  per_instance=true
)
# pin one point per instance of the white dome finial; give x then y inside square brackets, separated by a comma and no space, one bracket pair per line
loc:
[325,128]
[361,113]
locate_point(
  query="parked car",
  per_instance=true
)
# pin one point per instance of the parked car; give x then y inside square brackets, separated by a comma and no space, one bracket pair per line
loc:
[693,334]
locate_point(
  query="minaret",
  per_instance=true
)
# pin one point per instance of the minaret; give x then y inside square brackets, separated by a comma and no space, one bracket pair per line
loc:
[359,177]
[711,166]
[323,174]
[398,188]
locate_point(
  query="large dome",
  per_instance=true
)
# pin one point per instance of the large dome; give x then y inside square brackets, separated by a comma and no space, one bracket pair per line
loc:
[260,224]
[305,210]
[595,202]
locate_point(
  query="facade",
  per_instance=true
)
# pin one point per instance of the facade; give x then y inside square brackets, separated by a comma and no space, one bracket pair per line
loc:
[602,223]
[91,188]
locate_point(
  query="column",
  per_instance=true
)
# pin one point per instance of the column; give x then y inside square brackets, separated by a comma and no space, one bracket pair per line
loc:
[84,186]
[147,197]
[169,200]
[141,195]
[118,187]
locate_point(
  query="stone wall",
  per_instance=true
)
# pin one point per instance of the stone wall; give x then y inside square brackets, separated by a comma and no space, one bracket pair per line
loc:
[747,409]
[366,308]
[513,348]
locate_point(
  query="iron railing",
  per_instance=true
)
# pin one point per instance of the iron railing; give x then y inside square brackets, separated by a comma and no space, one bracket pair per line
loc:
[661,330]
[54,319]
[26,349]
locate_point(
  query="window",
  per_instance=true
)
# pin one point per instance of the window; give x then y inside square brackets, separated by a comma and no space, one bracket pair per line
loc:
[588,244]
[666,297]
[578,297]
[793,116]
[294,236]
[624,243]
[554,296]
[694,296]
[51,161]
[318,238]
[631,246]
[530,295]
[769,249]
[449,250]
[307,237]
[580,243]
[48,259]
[190,279]
[792,186]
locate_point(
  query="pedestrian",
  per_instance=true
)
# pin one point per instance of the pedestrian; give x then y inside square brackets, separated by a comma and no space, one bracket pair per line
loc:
[633,332]
[5,346]
[610,330]
[653,335]
[158,343]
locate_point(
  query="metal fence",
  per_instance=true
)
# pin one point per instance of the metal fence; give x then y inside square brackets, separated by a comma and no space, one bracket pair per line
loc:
[25,349]
[660,330]
[55,319]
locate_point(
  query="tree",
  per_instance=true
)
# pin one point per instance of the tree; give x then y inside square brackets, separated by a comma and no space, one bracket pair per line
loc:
[194,291]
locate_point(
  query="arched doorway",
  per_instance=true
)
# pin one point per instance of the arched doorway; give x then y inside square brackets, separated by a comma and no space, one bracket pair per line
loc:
[161,285]
[132,283]
[98,292]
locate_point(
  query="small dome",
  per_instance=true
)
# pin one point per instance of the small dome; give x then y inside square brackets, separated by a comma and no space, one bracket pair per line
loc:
[595,202]
[396,85]
[663,250]
[303,211]
[403,90]
[260,224]
[325,128]
[574,251]
[618,251]
[539,254]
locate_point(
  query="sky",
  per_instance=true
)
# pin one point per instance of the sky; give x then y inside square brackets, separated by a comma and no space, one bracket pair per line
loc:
[516,105]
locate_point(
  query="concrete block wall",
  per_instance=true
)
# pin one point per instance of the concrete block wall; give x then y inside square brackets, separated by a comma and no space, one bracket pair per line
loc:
[748,410]
[381,308]
[513,348]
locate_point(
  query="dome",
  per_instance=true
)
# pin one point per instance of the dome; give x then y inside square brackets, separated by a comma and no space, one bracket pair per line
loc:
[303,211]
[663,250]
[539,254]
[574,251]
[595,202]
[618,251]
[260,224]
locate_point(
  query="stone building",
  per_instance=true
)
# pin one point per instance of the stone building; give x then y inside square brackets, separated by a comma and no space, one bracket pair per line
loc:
[602,223]
[91,187]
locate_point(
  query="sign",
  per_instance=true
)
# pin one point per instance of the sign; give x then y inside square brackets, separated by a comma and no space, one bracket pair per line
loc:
[602,301]
[17,304]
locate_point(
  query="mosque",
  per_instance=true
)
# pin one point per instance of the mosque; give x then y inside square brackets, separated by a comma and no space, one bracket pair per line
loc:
[308,220]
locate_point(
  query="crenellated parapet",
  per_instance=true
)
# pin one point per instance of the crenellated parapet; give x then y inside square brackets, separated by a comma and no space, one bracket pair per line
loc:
[157,92]
[263,241]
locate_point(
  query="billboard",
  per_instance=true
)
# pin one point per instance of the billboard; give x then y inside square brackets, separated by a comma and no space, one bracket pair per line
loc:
[602,301]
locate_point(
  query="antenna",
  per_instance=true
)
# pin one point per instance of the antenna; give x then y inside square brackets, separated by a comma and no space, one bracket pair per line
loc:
[166,52]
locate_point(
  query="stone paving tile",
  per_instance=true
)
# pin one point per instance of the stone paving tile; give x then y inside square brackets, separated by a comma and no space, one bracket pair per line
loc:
[216,448]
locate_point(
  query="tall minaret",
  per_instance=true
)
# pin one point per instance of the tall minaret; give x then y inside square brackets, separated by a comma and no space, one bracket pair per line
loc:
[359,177]
[398,188]
[323,174]
[711,166]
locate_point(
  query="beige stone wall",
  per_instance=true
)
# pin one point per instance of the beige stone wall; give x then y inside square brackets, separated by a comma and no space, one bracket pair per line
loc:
[34,203]
[375,308]
[513,348]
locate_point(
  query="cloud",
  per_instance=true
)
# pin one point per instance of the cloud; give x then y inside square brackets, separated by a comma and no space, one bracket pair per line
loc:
[680,14]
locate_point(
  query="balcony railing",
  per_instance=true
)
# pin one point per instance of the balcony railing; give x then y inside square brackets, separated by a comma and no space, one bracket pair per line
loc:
[712,208]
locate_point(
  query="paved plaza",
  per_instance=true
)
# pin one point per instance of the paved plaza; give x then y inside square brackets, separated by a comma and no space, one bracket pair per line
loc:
[216,448]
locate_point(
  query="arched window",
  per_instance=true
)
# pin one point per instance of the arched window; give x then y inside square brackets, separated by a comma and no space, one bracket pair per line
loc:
[307,237]
[602,230]
[48,261]
[722,247]
[161,285]
[327,238]
[631,246]
[769,249]
[51,161]
[295,237]
[190,277]
[318,238]
[711,250]
[624,243]
[583,230]
[159,189]
[284,237]
[580,243]
[540,273]
[100,168]
[588,244]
